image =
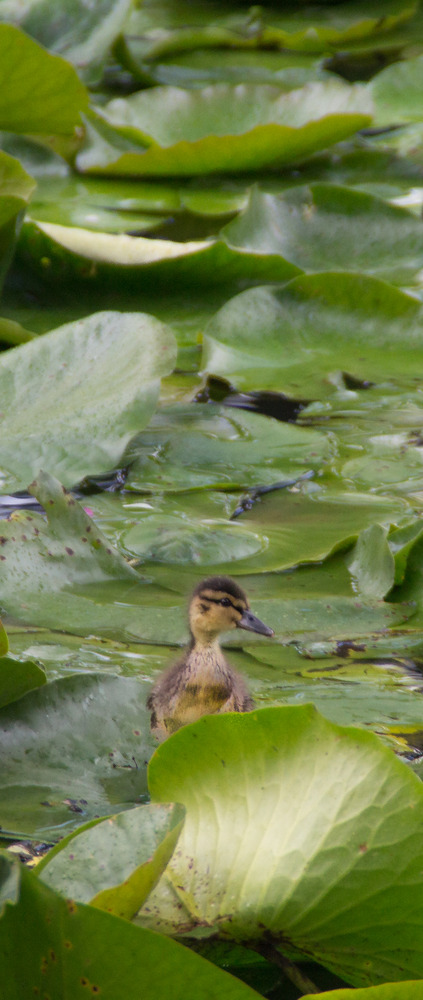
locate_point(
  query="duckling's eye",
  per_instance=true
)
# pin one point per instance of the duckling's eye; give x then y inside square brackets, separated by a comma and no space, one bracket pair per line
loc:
[225,602]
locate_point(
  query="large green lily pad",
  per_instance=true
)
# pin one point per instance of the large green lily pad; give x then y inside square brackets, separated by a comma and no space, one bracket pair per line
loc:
[88,387]
[78,31]
[73,750]
[168,27]
[298,337]
[75,950]
[203,446]
[54,104]
[297,830]
[168,131]
[96,259]
[115,864]
[327,226]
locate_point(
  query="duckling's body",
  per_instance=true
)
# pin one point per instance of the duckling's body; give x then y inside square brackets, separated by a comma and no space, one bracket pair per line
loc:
[202,681]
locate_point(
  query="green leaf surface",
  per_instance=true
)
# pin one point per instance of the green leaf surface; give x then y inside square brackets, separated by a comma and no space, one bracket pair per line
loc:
[80,425]
[174,26]
[327,227]
[115,864]
[168,131]
[189,447]
[396,92]
[75,950]
[73,750]
[348,843]
[54,104]
[298,337]
[371,562]
[93,259]
[17,677]
[388,991]
[15,190]
[80,32]
[41,558]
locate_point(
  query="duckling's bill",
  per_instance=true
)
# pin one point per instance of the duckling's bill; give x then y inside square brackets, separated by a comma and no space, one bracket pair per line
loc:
[253,624]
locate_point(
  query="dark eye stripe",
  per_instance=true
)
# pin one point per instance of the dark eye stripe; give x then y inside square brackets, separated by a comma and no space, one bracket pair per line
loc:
[237,606]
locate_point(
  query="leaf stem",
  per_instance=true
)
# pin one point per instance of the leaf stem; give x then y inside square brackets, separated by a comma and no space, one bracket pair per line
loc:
[291,971]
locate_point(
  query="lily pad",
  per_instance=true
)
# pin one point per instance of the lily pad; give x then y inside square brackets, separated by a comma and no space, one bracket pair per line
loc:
[169,27]
[54,105]
[82,256]
[73,425]
[397,93]
[168,131]
[334,867]
[75,949]
[299,336]
[17,677]
[388,991]
[326,226]
[132,848]
[202,446]
[16,187]
[73,750]
[79,32]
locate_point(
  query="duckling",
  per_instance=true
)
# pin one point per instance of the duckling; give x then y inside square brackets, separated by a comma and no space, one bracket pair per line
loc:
[202,682]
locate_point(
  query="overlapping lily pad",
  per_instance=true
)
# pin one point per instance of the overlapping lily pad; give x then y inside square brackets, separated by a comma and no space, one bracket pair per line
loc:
[73,750]
[116,863]
[170,27]
[333,867]
[74,255]
[297,338]
[79,32]
[168,131]
[76,948]
[72,425]
[16,187]
[54,105]
[324,227]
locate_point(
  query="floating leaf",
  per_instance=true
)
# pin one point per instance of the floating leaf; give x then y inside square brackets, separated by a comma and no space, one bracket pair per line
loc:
[323,885]
[15,190]
[76,949]
[78,31]
[388,991]
[73,750]
[175,26]
[54,104]
[74,423]
[397,92]
[201,446]
[326,226]
[299,336]
[168,131]
[371,562]
[17,677]
[77,255]
[115,864]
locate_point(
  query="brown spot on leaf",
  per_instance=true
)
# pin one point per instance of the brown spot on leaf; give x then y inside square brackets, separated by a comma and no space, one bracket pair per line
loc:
[363,848]
[69,551]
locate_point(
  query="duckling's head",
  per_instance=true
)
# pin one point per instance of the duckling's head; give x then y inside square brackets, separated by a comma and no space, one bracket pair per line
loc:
[219,604]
